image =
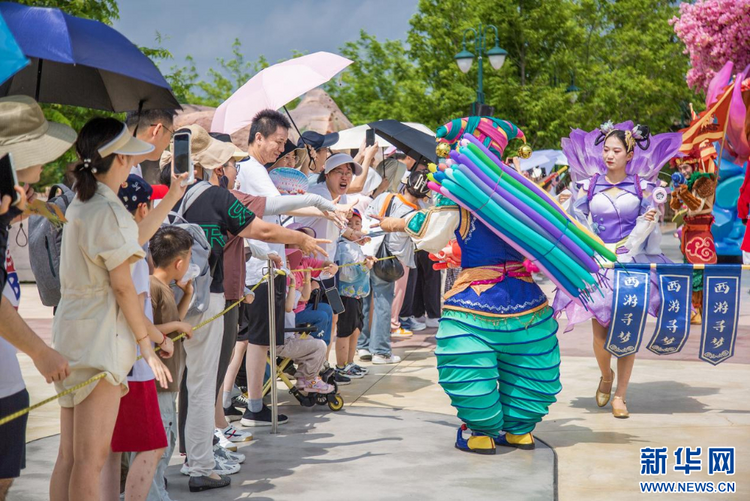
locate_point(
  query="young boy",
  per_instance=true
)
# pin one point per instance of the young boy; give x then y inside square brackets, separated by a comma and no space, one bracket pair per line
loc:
[354,284]
[170,253]
[138,427]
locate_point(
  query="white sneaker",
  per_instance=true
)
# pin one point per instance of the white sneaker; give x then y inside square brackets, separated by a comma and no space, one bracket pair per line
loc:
[234,435]
[223,441]
[432,323]
[364,355]
[227,456]
[221,467]
[382,360]
[224,467]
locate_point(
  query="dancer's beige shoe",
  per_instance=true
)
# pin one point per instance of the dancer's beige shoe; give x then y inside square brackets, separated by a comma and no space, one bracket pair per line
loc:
[621,412]
[601,397]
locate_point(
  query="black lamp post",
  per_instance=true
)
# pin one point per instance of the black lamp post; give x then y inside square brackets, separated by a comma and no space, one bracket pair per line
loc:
[464,59]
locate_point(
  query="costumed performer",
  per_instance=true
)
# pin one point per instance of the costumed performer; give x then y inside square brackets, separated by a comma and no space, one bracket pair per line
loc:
[497,351]
[614,181]
[696,189]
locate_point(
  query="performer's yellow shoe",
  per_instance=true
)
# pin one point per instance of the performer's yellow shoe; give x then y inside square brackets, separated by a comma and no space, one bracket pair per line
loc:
[525,442]
[479,444]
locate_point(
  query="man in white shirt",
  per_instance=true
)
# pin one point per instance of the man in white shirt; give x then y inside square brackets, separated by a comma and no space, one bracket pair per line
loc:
[268,134]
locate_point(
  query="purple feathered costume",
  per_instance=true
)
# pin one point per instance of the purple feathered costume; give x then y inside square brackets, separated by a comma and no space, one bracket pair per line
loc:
[613,211]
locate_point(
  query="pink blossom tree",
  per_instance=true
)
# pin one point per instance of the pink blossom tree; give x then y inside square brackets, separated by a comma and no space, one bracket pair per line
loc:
[714,32]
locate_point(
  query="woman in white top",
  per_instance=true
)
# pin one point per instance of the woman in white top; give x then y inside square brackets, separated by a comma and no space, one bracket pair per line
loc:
[99,320]
[333,184]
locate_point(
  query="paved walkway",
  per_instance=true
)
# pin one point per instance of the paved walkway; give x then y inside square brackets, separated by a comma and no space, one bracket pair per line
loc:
[395,437]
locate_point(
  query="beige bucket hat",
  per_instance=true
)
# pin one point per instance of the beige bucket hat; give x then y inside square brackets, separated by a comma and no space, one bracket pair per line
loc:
[205,151]
[28,136]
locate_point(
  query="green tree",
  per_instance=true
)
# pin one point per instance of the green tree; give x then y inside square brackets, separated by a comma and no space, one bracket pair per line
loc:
[623,55]
[381,83]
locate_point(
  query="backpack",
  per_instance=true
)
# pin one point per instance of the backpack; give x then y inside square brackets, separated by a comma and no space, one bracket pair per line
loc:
[44,247]
[201,253]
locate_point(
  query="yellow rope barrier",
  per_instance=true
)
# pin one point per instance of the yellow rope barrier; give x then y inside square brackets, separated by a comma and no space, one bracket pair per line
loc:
[182,335]
[101,375]
[653,265]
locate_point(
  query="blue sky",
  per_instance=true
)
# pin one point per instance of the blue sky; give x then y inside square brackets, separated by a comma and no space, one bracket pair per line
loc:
[206,29]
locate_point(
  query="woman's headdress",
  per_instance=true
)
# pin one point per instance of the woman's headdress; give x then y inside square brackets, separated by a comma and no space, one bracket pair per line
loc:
[639,135]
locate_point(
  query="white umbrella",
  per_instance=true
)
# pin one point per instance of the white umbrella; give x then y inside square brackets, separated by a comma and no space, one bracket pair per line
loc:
[274,87]
[536,159]
[546,159]
[351,139]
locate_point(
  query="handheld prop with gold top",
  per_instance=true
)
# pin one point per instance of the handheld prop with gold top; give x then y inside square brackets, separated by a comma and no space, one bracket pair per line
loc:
[513,207]
[48,211]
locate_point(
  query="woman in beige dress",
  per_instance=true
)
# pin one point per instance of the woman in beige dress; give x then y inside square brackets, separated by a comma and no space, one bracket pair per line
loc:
[99,319]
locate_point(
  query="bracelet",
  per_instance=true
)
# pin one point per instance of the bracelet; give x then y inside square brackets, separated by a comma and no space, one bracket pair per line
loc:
[163,340]
[139,340]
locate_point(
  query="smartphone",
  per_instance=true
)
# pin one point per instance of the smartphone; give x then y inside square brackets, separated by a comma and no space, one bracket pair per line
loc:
[8,179]
[369,137]
[181,155]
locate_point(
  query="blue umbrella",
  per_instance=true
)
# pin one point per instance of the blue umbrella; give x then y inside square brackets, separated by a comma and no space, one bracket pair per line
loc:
[81,62]
[11,57]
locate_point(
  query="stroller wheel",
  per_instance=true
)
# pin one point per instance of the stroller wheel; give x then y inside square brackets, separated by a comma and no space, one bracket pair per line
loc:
[321,399]
[336,403]
[306,400]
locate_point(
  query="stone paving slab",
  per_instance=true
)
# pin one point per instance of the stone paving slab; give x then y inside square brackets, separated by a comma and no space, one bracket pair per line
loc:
[361,452]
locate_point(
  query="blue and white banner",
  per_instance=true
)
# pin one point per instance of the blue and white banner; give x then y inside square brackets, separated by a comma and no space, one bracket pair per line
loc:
[629,309]
[673,323]
[721,312]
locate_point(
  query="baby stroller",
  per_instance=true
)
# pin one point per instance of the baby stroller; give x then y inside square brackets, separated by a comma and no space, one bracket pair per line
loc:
[334,401]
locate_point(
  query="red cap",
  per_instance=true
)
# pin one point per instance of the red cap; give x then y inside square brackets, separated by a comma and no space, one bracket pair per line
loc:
[159,191]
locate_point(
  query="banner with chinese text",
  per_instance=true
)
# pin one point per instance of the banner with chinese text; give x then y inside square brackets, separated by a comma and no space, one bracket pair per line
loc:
[629,309]
[721,312]
[673,322]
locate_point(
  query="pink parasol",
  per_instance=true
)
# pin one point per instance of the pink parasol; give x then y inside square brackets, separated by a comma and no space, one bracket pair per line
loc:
[274,87]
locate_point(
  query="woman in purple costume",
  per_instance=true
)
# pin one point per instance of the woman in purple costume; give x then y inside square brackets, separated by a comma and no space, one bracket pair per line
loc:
[615,169]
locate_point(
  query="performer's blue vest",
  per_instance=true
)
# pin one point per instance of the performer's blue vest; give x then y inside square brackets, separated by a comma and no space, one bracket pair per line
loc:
[510,297]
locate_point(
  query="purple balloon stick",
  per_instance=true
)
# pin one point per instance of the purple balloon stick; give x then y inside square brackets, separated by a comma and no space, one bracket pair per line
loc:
[525,214]
[572,294]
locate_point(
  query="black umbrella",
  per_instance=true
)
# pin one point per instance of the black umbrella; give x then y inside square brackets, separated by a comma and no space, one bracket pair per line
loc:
[81,62]
[411,141]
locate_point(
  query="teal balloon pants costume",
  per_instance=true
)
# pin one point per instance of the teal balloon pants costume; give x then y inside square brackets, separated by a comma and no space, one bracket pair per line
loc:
[497,352]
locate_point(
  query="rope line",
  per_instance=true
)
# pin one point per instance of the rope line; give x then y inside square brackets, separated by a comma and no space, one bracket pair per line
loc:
[101,375]
[182,335]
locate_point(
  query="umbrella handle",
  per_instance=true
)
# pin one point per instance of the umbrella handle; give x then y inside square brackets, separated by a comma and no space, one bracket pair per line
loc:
[300,134]
[39,64]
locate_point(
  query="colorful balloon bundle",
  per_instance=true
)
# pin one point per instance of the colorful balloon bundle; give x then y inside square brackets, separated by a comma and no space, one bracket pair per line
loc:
[522,214]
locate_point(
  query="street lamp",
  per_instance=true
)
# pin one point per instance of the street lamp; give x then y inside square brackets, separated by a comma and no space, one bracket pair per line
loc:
[464,59]
[572,91]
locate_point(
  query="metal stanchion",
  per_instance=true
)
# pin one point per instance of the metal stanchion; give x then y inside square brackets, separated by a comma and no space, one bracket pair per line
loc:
[272,346]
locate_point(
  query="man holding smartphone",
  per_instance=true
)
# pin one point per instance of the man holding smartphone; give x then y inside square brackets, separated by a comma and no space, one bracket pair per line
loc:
[155,127]
[32,141]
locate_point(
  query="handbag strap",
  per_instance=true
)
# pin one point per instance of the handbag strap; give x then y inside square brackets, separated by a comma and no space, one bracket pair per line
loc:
[387,212]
